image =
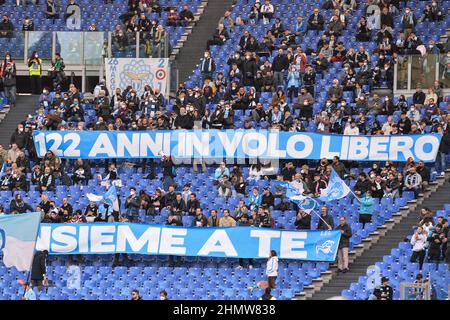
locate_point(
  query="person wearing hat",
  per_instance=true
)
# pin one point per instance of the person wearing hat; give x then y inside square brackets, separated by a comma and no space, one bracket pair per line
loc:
[383,292]
[29,293]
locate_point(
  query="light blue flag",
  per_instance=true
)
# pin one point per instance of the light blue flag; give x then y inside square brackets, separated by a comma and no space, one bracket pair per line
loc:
[18,234]
[336,188]
[110,198]
[308,204]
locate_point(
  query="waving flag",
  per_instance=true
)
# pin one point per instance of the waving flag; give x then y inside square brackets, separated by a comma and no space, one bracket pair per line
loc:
[110,198]
[18,233]
[336,189]
[294,190]
[307,204]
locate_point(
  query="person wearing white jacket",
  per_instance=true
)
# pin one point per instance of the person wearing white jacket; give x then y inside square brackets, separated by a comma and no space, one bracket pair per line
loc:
[419,242]
[272,269]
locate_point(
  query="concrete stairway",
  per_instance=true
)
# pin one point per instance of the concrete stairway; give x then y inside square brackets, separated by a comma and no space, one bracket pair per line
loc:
[25,104]
[189,55]
[378,244]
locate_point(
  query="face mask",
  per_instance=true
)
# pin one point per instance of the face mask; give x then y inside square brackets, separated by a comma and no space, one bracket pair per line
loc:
[132,193]
[162,298]
[20,129]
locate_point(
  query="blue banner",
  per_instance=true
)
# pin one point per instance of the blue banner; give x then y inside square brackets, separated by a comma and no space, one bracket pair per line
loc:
[234,242]
[262,144]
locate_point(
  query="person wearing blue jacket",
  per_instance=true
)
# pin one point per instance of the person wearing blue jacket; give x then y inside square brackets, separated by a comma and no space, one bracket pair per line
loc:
[366,208]
[294,82]
[254,200]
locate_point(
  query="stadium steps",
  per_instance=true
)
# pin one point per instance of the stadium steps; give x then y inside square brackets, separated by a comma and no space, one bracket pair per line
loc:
[25,104]
[189,55]
[185,36]
[380,243]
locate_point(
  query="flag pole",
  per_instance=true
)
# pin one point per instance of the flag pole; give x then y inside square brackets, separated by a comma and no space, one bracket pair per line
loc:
[32,258]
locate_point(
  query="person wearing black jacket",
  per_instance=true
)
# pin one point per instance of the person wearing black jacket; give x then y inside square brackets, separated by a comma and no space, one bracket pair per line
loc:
[186,15]
[435,241]
[362,184]
[207,66]
[19,137]
[326,221]
[385,291]
[219,38]
[444,149]
[280,65]
[168,171]
[39,269]
[19,206]
[316,21]
[249,70]
[8,76]
[303,220]
[184,120]
[344,243]
[267,198]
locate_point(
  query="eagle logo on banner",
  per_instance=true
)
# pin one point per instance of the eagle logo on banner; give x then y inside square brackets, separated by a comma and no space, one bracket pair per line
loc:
[136,74]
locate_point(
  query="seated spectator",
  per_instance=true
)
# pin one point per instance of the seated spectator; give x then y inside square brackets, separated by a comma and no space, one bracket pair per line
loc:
[178,206]
[200,219]
[413,182]
[254,200]
[47,180]
[224,187]
[213,220]
[82,172]
[172,18]
[316,21]
[219,38]
[186,16]
[17,205]
[227,220]
[240,210]
[363,33]
[221,171]
[362,185]
[192,204]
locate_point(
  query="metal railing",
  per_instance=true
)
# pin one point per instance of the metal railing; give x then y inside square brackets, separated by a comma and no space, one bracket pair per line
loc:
[84,53]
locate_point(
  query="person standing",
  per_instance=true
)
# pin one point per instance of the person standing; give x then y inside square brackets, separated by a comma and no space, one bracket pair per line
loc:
[57,70]
[344,244]
[39,269]
[419,241]
[366,209]
[8,76]
[207,66]
[35,71]
[272,269]
[132,204]
[444,149]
